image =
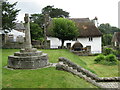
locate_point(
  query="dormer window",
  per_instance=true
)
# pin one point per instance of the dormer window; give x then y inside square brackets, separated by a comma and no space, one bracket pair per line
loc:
[90,39]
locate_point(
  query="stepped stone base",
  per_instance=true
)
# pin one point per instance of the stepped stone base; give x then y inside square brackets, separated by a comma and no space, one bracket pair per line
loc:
[28,59]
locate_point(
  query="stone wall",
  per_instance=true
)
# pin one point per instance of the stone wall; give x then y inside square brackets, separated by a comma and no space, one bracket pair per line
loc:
[40,45]
[65,63]
[14,45]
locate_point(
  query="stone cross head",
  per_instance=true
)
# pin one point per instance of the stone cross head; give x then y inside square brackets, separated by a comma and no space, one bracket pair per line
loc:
[26,18]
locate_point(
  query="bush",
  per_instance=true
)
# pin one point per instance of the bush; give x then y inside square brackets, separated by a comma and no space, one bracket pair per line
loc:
[106,60]
[117,52]
[111,59]
[108,51]
[99,58]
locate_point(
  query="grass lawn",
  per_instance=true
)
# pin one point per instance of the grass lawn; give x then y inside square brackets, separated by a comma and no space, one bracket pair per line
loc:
[45,77]
[101,70]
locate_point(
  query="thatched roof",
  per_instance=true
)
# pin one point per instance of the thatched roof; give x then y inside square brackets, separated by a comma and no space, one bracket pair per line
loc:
[86,28]
[116,37]
[19,26]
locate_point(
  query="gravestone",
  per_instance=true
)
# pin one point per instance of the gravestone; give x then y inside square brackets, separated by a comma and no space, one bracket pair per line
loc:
[28,57]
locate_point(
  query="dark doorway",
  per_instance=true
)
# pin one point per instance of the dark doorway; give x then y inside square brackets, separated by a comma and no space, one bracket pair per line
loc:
[77,46]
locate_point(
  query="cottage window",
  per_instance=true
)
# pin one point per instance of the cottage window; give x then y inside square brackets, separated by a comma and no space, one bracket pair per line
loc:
[90,39]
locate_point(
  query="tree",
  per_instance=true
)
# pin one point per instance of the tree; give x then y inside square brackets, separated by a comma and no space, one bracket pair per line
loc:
[43,19]
[36,31]
[9,14]
[108,32]
[105,28]
[38,19]
[108,29]
[64,29]
[106,39]
[54,12]
[51,11]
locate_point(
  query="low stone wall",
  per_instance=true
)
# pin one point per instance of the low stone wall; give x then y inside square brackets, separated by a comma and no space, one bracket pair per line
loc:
[14,45]
[63,61]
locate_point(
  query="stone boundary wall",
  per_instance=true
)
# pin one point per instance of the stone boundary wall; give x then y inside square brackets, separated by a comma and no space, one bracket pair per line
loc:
[13,45]
[63,61]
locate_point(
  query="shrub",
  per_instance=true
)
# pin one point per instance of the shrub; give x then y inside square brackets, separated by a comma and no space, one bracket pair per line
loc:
[108,51]
[99,58]
[117,52]
[111,59]
[106,60]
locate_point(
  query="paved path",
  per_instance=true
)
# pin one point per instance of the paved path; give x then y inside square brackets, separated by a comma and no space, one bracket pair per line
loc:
[110,84]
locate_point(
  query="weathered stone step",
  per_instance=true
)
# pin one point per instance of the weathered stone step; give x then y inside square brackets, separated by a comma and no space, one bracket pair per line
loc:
[37,53]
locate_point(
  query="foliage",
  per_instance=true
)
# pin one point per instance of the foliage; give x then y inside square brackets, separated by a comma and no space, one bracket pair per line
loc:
[64,29]
[51,11]
[36,31]
[99,58]
[117,52]
[38,19]
[108,51]
[106,39]
[54,12]
[109,59]
[9,14]
[108,29]
[108,32]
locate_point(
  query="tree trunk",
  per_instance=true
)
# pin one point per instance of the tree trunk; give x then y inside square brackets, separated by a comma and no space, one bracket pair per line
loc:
[62,46]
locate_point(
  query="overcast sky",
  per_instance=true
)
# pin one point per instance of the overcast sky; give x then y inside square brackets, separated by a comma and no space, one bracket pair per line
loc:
[105,10]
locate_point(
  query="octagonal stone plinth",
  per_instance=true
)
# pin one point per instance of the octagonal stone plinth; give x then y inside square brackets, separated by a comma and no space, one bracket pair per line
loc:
[28,60]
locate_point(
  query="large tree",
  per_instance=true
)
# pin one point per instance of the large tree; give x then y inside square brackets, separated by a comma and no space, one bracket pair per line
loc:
[51,11]
[64,29]
[108,32]
[36,31]
[54,12]
[9,14]
[38,19]
[108,29]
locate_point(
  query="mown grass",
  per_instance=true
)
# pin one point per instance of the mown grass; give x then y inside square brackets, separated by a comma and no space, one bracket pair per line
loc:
[0,68]
[45,77]
[101,70]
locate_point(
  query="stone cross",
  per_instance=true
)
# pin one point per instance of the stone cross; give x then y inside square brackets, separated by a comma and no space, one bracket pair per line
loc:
[27,32]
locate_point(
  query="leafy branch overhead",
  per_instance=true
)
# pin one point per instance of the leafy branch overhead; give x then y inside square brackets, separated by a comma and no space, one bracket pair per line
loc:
[9,14]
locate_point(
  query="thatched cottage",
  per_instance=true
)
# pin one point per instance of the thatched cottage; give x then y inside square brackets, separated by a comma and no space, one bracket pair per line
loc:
[89,36]
[116,39]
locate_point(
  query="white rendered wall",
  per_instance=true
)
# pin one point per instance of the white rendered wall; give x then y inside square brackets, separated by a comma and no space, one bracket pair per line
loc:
[95,43]
[54,42]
